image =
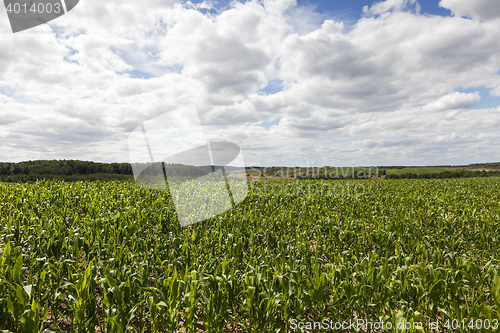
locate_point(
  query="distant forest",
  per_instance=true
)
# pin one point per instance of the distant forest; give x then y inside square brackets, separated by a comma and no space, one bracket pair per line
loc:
[64,167]
[495,165]
[446,175]
[75,170]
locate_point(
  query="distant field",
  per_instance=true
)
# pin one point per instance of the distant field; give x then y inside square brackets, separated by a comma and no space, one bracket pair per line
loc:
[421,170]
[278,173]
[340,171]
[473,169]
[424,170]
[271,173]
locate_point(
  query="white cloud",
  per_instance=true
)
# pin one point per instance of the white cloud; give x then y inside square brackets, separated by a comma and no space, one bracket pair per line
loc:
[381,92]
[454,101]
[201,5]
[478,9]
[495,92]
[382,7]
[5,99]
[278,7]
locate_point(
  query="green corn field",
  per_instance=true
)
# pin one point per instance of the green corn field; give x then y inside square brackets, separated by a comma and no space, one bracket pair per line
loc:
[113,257]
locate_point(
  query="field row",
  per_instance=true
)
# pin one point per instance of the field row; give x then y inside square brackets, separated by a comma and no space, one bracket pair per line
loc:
[112,257]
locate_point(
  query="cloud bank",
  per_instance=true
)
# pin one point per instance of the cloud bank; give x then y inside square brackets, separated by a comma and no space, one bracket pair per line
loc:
[290,87]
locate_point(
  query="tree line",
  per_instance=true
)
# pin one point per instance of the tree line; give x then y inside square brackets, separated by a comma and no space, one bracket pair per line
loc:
[63,168]
[76,170]
[446,174]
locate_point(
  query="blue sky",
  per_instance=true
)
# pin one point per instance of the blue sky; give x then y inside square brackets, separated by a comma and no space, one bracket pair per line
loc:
[354,7]
[349,9]
[302,82]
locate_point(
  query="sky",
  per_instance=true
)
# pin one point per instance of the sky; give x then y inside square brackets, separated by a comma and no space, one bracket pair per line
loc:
[292,82]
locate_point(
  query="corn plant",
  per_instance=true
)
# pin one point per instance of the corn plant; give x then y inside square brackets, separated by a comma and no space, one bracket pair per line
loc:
[113,257]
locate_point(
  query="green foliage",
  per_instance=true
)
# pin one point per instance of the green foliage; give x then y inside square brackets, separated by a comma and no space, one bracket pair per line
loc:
[22,178]
[414,170]
[112,257]
[485,165]
[73,170]
[444,174]
[63,167]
